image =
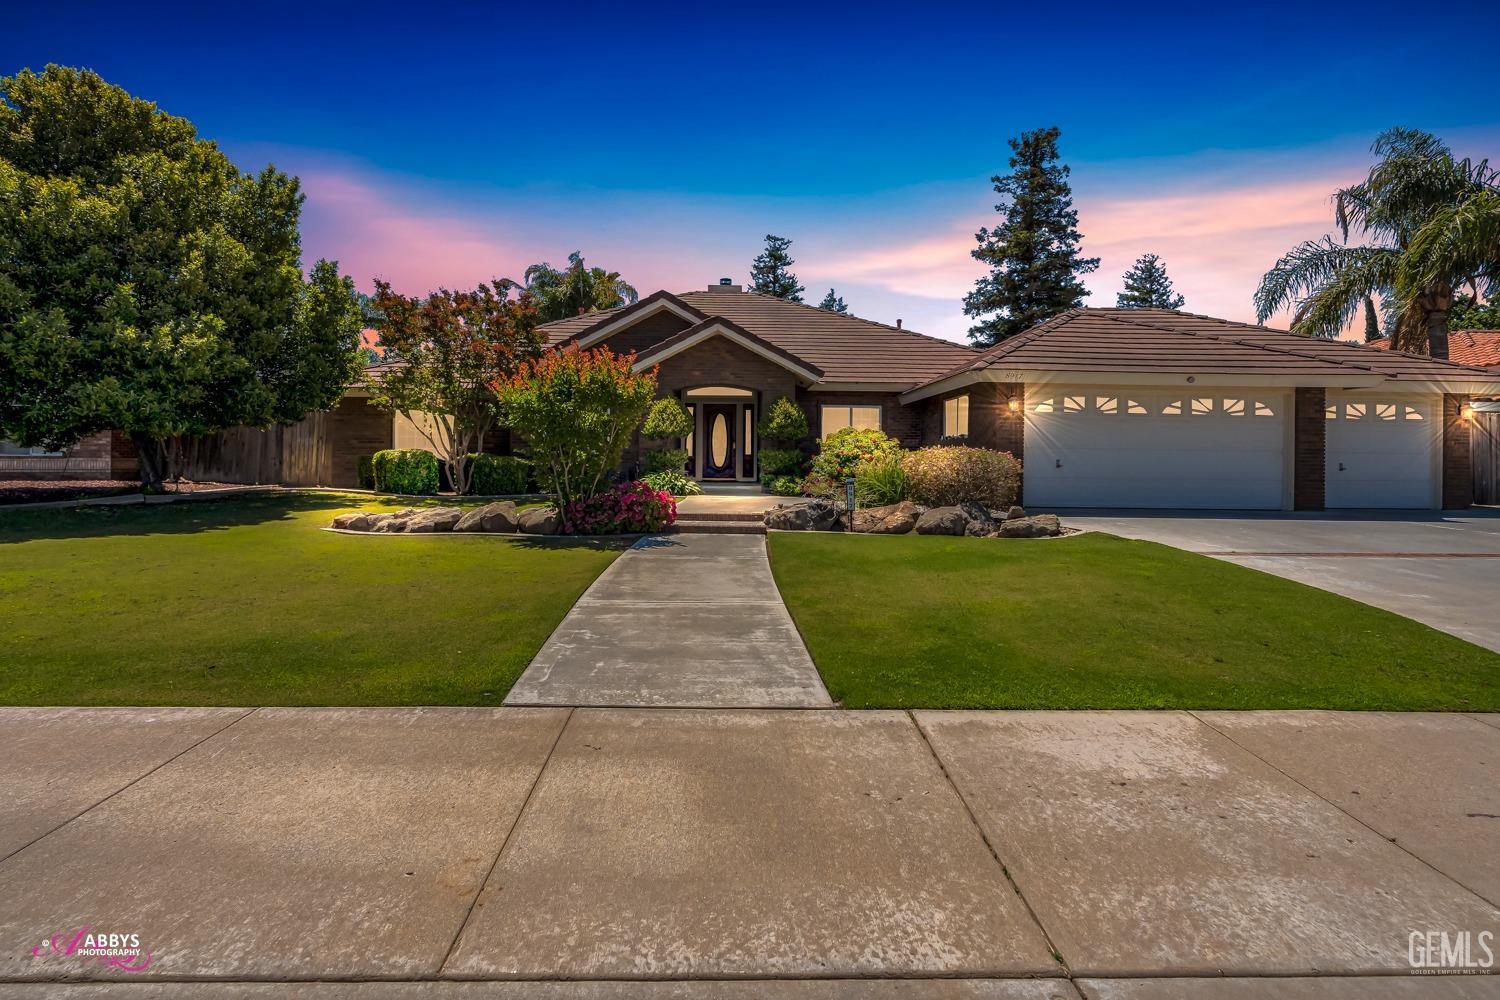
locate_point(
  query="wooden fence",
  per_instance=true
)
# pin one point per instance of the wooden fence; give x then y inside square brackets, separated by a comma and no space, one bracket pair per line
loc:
[1484,445]
[299,454]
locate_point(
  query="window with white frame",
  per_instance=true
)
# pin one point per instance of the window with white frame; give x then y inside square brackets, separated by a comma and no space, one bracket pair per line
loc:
[956,417]
[836,418]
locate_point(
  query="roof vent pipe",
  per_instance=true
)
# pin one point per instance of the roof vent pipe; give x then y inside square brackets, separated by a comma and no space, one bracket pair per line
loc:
[898,323]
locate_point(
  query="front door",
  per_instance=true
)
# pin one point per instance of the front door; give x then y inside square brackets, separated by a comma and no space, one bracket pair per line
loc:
[719,440]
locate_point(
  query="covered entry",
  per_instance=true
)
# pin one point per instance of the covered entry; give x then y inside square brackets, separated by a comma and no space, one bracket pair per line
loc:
[1089,446]
[723,444]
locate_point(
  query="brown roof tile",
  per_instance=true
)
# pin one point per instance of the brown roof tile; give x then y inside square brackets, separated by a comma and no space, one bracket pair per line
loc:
[1466,347]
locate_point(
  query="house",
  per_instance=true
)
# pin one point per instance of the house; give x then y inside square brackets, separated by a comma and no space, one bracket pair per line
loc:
[1466,347]
[1104,407]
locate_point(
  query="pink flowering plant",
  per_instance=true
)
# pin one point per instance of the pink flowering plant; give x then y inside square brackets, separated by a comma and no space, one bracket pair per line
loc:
[629,508]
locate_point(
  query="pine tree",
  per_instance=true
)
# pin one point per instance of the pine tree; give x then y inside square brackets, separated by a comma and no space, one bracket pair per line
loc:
[1372,322]
[834,303]
[1148,287]
[1033,255]
[770,273]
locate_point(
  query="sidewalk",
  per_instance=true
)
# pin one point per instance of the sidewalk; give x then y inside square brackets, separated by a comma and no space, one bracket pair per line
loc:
[662,852]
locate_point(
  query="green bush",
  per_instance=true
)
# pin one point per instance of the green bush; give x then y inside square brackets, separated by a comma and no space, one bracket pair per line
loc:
[784,424]
[406,470]
[366,466]
[673,481]
[498,475]
[665,460]
[782,486]
[843,451]
[667,418]
[780,461]
[880,481]
[944,476]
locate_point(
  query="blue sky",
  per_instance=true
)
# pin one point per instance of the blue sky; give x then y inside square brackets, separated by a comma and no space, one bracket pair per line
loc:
[442,145]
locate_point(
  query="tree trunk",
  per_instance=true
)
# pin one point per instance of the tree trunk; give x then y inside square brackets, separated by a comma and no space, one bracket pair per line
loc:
[1437,334]
[152,455]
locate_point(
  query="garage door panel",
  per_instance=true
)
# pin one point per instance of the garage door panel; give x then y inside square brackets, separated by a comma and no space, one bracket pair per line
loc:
[1380,453]
[1145,449]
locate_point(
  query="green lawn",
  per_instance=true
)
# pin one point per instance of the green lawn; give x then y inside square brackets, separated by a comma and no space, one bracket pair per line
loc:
[1100,622]
[246,602]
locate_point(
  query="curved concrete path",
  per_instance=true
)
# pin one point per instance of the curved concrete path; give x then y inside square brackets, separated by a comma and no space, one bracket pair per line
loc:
[678,621]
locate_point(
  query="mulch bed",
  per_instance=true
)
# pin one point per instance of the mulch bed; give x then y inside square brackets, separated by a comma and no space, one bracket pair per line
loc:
[45,490]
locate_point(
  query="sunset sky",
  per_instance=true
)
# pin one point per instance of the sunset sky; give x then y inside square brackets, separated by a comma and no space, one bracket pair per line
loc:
[440,147]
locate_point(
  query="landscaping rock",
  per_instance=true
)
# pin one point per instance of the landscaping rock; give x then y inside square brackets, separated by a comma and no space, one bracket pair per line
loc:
[540,521]
[499,516]
[895,519]
[981,524]
[943,521]
[391,523]
[433,519]
[810,515]
[357,521]
[1015,512]
[1041,526]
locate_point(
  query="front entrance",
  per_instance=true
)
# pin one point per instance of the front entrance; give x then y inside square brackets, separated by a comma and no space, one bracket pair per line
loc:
[719,438]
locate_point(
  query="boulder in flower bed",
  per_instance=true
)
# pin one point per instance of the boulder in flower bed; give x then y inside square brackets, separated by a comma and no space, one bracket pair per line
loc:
[894,519]
[492,517]
[809,515]
[391,523]
[943,521]
[429,520]
[980,522]
[1041,526]
[357,521]
[540,521]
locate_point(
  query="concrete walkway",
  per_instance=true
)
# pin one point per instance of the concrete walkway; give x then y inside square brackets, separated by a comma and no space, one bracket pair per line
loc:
[611,854]
[678,621]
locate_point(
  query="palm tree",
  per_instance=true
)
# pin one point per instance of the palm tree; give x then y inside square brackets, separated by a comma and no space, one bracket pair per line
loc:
[1433,223]
[575,290]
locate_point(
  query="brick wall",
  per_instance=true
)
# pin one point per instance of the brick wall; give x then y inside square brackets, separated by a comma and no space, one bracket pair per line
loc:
[648,332]
[88,459]
[1309,448]
[904,423]
[355,428]
[1458,467]
[124,460]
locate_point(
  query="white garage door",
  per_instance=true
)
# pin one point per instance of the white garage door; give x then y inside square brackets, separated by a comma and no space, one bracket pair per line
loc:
[1381,452]
[1089,447]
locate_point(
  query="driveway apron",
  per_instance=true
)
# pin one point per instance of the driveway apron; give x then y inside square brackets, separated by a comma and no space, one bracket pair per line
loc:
[682,621]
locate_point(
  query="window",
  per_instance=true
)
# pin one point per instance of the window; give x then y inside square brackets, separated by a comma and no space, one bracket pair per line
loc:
[11,448]
[717,390]
[956,417]
[836,418]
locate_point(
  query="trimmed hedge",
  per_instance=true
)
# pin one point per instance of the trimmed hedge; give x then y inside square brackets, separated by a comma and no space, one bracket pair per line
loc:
[406,470]
[665,460]
[843,451]
[498,475]
[780,461]
[945,476]
[365,465]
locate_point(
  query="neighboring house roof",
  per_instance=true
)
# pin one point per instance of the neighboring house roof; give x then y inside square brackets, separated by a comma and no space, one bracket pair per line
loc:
[1467,347]
[1142,344]
[844,348]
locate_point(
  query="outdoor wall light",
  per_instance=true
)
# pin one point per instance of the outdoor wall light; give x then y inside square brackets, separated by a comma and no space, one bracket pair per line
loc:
[1013,405]
[1468,411]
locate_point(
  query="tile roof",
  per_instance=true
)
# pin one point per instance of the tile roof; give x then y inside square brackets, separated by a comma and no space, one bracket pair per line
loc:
[1167,342]
[1466,347]
[844,348]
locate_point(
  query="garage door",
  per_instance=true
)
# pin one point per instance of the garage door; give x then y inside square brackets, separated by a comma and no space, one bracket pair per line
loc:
[1381,452]
[1115,448]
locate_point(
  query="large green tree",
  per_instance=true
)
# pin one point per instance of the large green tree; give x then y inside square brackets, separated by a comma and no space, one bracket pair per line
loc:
[1470,314]
[771,272]
[834,303]
[575,290]
[1033,256]
[1148,287]
[1430,225]
[455,347]
[146,283]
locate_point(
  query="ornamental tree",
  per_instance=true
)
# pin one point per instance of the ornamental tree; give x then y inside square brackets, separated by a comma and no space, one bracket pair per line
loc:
[454,347]
[668,420]
[1148,287]
[146,283]
[577,410]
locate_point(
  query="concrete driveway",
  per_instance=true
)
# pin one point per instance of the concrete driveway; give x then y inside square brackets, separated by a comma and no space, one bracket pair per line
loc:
[1440,569]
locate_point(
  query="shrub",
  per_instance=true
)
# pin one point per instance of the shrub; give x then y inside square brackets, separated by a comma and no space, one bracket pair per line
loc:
[406,470]
[667,419]
[780,461]
[673,481]
[665,460]
[844,450]
[782,486]
[626,508]
[880,481]
[365,465]
[944,476]
[498,475]
[784,424]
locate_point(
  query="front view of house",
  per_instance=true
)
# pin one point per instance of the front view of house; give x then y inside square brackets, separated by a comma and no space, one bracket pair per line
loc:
[1104,407]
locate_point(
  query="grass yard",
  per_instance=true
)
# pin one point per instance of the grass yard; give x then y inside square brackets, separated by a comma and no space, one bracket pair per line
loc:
[1101,622]
[246,602]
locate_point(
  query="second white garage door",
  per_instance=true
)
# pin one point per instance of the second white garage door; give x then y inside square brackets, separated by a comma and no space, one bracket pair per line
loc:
[1381,452]
[1088,447]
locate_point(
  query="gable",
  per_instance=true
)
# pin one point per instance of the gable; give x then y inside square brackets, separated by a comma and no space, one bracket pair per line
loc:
[645,333]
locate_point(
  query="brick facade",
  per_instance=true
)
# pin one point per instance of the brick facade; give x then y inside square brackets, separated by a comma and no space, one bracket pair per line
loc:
[647,333]
[88,459]
[355,428]
[904,423]
[1458,459]
[1309,448]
